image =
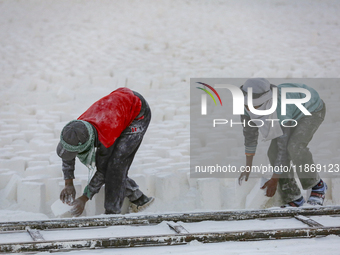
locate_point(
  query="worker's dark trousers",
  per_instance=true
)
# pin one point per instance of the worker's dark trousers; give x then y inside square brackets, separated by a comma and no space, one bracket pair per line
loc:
[300,155]
[113,165]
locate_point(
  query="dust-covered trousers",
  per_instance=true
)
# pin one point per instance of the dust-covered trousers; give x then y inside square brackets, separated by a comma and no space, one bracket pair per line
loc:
[113,164]
[299,154]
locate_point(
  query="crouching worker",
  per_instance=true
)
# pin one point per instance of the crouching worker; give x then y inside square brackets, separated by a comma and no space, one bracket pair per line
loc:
[106,136]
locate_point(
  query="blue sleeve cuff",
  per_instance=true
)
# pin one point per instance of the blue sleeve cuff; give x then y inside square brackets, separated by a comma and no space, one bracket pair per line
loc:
[250,149]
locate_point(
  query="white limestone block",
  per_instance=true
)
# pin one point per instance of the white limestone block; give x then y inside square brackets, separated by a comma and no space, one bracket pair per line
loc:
[10,191]
[37,163]
[5,176]
[41,156]
[54,170]
[55,159]
[39,145]
[169,112]
[178,165]
[166,186]
[161,151]
[31,196]
[41,85]
[210,194]
[81,168]
[167,142]
[102,81]
[187,203]
[183,110]
[228,191]
[157,115]
[149,159]
[61,210]
[12,127]
[64,94]
[125,206]
[183,119]
[36,170]
[16,164]
[28,134]
[182,180]
[53,189]
[192,181]
[165,132]
[181,139]
[164,165]
[156,83]
[5,140]
[174,154]
[150,176]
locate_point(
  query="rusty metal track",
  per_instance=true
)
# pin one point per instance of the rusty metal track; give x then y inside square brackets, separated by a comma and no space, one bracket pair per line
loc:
[163,240]
[38,243]
[158,218]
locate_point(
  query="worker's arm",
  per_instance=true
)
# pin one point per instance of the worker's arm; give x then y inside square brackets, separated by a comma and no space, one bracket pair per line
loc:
[68,194]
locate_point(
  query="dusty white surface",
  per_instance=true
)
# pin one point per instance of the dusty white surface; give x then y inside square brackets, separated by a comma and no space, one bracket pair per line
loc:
[58,57]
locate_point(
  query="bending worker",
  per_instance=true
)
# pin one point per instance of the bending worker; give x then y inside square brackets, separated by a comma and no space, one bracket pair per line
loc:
[106,136]
[288,143]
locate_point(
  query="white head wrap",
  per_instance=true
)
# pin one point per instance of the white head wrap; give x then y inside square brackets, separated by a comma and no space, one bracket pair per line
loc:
[270,129]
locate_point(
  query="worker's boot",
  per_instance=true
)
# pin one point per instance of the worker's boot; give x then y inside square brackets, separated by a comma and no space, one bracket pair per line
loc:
[296,203]
[140,204]
[318,194]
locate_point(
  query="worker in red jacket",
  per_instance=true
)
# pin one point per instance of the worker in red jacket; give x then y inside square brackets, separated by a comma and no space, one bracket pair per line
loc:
[106,136]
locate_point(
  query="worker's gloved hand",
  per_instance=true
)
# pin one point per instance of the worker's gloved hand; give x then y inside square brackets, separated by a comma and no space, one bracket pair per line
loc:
[79,205]
[68,194]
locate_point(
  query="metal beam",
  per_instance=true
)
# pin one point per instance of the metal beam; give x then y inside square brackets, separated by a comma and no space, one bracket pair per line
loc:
[158,218]
[308,221]
[163,240]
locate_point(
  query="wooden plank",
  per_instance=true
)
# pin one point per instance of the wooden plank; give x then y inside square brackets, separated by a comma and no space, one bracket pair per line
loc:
[158,218]
[162,240]
[308,221]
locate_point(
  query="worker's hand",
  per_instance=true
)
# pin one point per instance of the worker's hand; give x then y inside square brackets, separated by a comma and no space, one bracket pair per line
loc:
[244,176]
[79,205]
[271,186]
[68,194]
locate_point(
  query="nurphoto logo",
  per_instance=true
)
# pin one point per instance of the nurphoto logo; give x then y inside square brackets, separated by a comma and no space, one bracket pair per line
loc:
[238,99]
[239,103]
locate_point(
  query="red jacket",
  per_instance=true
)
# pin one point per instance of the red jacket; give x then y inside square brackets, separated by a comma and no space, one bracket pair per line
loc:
[113,113]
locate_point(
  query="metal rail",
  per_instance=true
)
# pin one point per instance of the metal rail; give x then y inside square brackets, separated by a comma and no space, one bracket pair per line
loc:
[180,235]
[158,218]
[163,240]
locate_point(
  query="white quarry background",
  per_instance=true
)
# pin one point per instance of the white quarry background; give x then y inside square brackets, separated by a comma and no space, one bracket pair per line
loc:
[58,57]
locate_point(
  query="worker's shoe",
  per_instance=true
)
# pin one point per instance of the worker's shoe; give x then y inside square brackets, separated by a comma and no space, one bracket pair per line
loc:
[296,203]
[318,194]
[140,204]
